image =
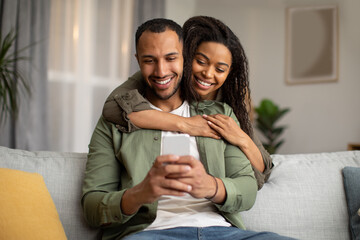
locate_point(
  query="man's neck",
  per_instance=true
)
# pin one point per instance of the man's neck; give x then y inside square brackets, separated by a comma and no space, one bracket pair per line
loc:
[168,105]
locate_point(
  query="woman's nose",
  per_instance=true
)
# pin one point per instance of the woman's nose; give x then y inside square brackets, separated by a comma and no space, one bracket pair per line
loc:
[208,72]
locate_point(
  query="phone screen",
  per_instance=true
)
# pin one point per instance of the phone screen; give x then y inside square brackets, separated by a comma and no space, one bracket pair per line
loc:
[176,144]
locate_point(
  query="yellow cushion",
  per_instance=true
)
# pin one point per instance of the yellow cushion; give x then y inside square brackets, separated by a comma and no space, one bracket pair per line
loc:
[26,207]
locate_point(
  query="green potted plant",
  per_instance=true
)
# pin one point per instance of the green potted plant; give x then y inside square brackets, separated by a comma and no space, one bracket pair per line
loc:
[11,79]
[268,113]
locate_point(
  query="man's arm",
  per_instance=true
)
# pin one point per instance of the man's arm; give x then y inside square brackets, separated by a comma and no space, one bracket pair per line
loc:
[101,198]
[103,202]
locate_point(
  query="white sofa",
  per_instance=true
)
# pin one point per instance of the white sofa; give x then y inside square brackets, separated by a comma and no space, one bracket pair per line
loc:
[304,197]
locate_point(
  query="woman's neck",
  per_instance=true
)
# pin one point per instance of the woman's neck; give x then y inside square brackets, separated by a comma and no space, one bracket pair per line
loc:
[210,96]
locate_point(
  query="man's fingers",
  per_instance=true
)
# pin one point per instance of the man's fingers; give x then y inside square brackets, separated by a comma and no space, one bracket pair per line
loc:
[174,186]
[165,159]
[176,168]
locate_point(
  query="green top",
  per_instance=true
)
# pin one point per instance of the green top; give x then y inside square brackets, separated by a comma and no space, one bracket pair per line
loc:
[128,98]
[117,161]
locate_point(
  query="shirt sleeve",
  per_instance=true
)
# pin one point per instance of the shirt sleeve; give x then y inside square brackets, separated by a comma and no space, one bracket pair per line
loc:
[262,177]
[101,196]
[125,99]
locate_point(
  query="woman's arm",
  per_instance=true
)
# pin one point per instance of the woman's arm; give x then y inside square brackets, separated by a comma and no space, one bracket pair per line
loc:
[129,110]
[228,128]
[125,99]
[154,119]
[259,158]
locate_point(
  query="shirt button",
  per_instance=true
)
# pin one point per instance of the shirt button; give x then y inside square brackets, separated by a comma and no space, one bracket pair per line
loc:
[156,138]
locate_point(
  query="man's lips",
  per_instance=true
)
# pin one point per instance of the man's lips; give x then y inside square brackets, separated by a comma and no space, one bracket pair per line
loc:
[162,83]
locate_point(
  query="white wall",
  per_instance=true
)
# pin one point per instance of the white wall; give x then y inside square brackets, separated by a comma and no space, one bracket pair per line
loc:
[324,117]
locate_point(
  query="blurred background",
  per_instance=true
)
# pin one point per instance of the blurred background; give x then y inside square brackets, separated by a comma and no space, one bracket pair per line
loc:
[85,48]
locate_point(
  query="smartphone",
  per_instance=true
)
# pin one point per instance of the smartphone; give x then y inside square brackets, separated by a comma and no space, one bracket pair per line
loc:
[178,144]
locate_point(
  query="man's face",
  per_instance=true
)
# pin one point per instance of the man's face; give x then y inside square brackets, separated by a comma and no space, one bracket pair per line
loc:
[161,62]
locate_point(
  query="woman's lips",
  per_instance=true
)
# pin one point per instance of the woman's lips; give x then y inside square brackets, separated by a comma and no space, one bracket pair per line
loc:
[202,84]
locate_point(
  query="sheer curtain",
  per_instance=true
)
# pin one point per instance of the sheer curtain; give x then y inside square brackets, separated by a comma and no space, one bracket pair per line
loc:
[90,52]
[31,19]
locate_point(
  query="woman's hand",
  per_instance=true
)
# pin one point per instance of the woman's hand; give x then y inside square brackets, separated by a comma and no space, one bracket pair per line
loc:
[198,126]
[227,128]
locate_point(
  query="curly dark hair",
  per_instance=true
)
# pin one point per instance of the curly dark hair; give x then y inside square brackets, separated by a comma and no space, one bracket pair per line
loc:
[236,91]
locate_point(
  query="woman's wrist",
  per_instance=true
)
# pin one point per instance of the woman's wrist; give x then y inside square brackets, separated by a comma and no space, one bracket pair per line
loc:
[182,125]
[244,142]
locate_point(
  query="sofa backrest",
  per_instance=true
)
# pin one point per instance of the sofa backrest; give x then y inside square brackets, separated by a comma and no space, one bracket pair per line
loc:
[304,197]
[63,175]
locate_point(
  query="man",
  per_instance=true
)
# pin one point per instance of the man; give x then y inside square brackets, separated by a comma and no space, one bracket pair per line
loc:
[132,191]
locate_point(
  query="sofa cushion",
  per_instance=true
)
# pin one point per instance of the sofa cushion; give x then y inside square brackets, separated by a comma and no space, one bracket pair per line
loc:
[352,189]
[63,174]
[304,197]
[27,210]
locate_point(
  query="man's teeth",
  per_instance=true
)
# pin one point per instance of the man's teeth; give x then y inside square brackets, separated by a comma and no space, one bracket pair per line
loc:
[204,83]
[164,82]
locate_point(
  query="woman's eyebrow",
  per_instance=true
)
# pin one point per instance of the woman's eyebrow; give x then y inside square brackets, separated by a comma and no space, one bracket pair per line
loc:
[221,63]
[199,53]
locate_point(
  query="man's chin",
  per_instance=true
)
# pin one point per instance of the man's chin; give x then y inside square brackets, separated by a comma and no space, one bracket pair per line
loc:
[164,96]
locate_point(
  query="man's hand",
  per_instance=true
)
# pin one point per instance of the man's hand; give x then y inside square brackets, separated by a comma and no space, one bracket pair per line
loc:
[156,183]
[202,184]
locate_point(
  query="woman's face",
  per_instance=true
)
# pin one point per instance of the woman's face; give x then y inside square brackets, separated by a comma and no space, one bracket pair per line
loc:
[210,68]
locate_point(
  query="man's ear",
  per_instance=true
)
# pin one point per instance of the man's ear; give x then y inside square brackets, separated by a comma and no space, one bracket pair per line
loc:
[137,58]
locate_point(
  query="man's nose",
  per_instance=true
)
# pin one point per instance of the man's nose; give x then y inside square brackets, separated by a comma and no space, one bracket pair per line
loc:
[161,68]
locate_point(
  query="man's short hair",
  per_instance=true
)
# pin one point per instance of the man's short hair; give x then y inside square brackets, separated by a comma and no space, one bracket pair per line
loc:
[158,25]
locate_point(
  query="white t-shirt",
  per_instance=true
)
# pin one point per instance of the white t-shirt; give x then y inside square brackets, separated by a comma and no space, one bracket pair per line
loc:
[186,211]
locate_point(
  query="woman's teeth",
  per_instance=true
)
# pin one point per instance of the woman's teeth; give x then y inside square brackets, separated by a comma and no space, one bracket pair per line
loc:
[204,83]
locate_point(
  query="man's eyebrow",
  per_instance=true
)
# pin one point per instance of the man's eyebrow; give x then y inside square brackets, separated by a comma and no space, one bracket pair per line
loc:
[166,55]
[221,63]
[147,56]
[172,53]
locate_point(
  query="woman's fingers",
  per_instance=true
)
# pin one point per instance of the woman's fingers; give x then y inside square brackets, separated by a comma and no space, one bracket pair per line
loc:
[215,119]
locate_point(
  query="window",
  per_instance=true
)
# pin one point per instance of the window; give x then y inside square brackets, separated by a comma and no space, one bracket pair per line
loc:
[89,55]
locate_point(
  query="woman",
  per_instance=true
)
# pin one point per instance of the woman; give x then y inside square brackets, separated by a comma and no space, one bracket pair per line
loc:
[218,70]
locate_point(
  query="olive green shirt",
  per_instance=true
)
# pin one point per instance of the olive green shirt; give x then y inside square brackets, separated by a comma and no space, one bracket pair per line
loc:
[127,98]
[118,161]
